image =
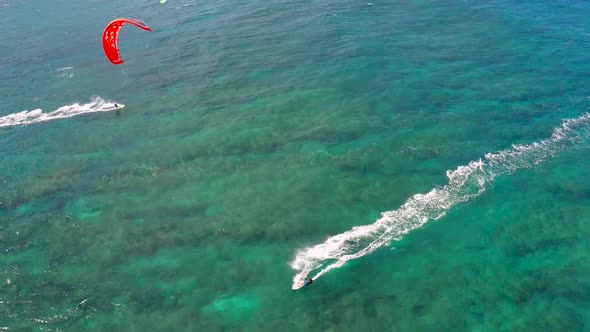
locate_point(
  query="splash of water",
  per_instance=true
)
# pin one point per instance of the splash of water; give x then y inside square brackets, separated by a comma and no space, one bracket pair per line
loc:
[96,104]
[465,183]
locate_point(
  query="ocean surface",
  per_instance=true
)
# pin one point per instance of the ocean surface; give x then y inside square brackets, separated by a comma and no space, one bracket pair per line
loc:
[425,161]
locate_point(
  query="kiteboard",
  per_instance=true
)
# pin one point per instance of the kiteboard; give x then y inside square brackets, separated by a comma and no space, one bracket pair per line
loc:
[300,284]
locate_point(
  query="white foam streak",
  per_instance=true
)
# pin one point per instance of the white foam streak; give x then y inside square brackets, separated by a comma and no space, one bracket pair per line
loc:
[465,183]
[97,104]
[65,72]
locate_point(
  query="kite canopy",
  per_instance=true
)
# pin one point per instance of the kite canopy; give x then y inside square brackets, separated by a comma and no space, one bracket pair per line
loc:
[111,33]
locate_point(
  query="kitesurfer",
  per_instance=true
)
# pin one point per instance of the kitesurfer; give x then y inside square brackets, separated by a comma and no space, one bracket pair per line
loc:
[307,281]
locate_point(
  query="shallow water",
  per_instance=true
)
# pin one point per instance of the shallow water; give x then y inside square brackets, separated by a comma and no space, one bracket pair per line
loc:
[256,130]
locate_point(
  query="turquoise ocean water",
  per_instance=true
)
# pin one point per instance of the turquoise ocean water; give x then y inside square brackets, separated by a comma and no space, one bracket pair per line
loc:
[416,157]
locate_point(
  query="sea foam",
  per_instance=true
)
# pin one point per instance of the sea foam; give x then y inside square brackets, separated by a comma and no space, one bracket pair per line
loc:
[96,104]
[464,183]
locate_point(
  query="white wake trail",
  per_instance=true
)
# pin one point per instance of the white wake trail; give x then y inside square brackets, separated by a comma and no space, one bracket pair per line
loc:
[465,183]
[96,104]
